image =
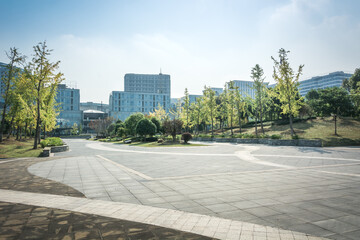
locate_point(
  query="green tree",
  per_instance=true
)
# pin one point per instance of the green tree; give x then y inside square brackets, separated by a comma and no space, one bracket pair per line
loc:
[157,123]
[145,127]
[186,112]
[260,88]
[74,130]
[173,127]
[159,113]
[222,108]
[333,101]
[41,73]
[240,106]
[231,105]
[197,112]
[210,106]
[131,122]
[287,86]
[7,80]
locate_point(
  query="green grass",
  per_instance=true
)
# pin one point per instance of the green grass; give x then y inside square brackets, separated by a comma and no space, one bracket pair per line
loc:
[10,148]
[348,130]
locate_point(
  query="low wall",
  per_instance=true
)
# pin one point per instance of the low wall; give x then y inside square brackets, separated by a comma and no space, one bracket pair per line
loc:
[49,151]
[275,142]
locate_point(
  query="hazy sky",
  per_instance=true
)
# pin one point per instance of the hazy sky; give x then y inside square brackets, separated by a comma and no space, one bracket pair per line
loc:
[197,42]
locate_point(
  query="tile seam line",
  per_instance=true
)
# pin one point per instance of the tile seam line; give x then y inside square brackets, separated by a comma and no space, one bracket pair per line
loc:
[126,168]
[42,200]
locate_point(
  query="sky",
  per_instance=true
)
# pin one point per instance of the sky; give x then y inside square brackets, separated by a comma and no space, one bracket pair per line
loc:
[197,42]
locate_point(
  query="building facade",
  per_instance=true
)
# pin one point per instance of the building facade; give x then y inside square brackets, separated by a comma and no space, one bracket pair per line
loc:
[94,106]
[69,106]
[334,79]
[143,93]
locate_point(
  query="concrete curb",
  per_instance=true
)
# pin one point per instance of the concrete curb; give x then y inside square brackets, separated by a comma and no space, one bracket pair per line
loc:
[274,142]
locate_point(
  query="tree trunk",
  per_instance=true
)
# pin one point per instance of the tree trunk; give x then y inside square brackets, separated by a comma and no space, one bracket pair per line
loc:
[25,130]
[231,126]
[256,131]
[37,129]
[240,124]
[11,127]
[17,133]
[261,122]
[44,132]
[335,116]
[291,125]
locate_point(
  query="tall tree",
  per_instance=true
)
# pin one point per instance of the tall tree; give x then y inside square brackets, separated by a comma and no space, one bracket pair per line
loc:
[41,73]
[8,79]
[287,86]
[159,112]
[240,106]
[211,106]
[260,88]
[231,105]
[197,112]
[186,112]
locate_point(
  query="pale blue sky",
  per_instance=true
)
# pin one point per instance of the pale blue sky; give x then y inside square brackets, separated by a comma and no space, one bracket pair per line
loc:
[197,42]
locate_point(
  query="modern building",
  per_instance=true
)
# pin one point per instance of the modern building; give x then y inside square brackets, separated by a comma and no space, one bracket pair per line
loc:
[69,106]
[246,88]
[217,91]
[193,97]
[94,106]
[147,83]
[143,93]
[334,79]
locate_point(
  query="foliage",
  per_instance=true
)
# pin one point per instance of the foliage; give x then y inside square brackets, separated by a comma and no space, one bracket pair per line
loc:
[8,80]
[287,86]
[52,141]
[275,136]
[186,110]
[100,126]
[197,113]
[172,127]
[157,123]
[159,113]
[74,130]
[40,72]
[210,107]
[145,127]
[131,122]
[261,97]
[186,137]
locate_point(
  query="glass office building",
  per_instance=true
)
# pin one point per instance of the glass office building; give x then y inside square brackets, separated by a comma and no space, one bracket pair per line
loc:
[334,79]
[69,106]
[143,93]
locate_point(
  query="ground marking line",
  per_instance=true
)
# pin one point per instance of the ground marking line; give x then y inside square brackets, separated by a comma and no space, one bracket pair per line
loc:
[95,146]
[257,171]
[126,168]
[291,156]
[344,174]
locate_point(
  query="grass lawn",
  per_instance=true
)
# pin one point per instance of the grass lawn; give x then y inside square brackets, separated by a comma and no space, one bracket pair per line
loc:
[348,131]
[10,148]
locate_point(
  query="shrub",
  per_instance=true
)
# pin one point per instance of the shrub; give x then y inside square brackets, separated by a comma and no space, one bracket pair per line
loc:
[275,136]
[295,137]
[151,139]
[246,135]
[160,140]
[52,141]
[263,136]
[186,137]
[145,127]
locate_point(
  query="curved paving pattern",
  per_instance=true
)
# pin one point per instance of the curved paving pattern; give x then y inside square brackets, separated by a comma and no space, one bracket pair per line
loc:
[311,190]
[187,222]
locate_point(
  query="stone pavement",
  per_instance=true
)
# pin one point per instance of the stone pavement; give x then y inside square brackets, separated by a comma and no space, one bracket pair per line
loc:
[310,190]
[182,221]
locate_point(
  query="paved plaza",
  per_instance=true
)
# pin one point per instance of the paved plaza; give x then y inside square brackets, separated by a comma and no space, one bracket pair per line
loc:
[296,189]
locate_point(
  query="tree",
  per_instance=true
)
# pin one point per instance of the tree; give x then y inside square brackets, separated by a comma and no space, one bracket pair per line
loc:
[173,127]
[223,108]
[240,106]
[131,122]
[186,112]
[231,105]
[333,101]
[145,127]
[157,123]
[353,86]
[41,73]
[287,86]
[210,106]
[257,74]
[74,130]
[197,112]
[8,79]
[159,113]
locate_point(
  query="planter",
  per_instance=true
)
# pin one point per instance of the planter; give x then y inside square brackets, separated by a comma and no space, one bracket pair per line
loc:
[49,151]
